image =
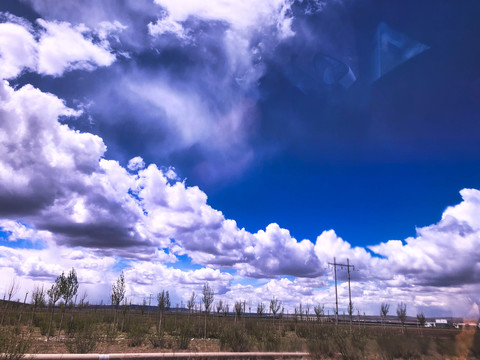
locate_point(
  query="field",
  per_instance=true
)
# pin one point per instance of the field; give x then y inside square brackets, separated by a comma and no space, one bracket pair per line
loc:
[135,330]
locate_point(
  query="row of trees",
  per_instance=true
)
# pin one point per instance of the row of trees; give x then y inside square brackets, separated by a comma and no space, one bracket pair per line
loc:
[401,314]
[65,288]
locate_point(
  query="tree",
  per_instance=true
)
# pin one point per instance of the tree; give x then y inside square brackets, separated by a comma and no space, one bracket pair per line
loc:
[319,311]
[118,294]
[225,309]
[83,300]
[384,308]
[144,306]
[219,306]
[163,299]
[10,293]
[54,294]
[402,314]
[260,309]
[238,309]
[421,321]
[191,302]
[275,305]
[207,298]
[68,289]
[38,299]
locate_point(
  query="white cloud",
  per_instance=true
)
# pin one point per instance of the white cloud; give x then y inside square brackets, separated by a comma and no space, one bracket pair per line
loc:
[136,164]
[17,50]
[246,14]
[88,209]
[443,254]
[274,252]
[167,26]
[60,47]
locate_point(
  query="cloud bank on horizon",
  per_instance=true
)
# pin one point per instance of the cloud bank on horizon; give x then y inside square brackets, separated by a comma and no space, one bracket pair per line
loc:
[66,201]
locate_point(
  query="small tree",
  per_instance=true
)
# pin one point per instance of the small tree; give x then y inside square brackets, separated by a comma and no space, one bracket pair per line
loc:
[38,299]
[225,309]
[144,306]
[402,314]
[207,299]
[421,321]
[191,302]
[9,294]
[118,294]
[54,294]
[275,306]
[68,289]
[163,299]
[219,306]
[319,311]
[384,308]
[238,309]
[260,309]
[83,303]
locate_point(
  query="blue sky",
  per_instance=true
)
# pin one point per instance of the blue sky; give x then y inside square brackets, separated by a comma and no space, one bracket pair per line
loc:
[244,145]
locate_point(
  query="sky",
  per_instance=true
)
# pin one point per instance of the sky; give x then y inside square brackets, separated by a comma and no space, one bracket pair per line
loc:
[244,144]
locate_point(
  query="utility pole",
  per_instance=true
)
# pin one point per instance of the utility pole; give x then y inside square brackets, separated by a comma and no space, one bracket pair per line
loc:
[350,310]
[348,266]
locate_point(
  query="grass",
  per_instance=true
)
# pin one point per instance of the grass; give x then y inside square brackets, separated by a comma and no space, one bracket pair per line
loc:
[92,330]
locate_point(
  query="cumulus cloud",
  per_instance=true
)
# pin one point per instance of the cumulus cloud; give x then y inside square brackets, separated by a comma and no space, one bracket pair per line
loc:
[17,50]
[198,97]
[274,252]
[136,163]
[443,254]
[60,47]
[97,215]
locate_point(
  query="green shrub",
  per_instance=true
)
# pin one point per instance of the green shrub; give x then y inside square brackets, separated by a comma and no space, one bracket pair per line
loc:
[185,334]
[110,333]
[446,346]
[266,338]
[44,322]
[83,338]
[393,346]
[13,343]
[303,331]
[157,339]
[235,338]
[136,333]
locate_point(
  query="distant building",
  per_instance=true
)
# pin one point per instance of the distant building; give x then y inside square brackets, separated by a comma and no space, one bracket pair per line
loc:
[443,323]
